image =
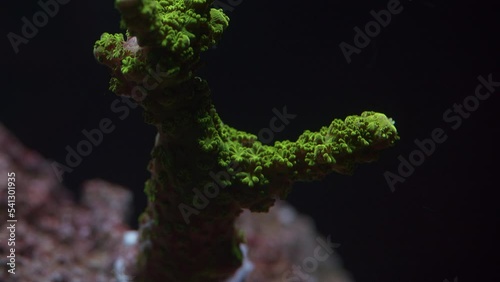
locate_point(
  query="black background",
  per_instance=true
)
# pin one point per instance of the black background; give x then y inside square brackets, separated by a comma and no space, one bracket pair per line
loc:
[441,223]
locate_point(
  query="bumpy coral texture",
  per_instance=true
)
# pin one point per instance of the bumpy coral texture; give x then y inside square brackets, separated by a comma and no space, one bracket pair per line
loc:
[203,171]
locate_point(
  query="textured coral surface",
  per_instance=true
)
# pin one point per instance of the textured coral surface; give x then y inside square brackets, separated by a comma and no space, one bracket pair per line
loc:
[184,236]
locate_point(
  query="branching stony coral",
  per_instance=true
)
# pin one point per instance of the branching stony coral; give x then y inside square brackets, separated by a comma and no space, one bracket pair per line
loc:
[204,172]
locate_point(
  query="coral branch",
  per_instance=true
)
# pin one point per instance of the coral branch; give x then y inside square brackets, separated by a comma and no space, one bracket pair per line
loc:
[184,236]
[338,147]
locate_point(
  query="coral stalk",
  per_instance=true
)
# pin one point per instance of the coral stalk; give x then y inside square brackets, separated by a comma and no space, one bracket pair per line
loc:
[204,172]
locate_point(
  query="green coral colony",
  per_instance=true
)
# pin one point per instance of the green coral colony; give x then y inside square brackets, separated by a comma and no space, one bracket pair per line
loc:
[204,172]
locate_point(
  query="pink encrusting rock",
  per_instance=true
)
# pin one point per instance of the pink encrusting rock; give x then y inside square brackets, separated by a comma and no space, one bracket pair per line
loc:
[56,238]
[283,246]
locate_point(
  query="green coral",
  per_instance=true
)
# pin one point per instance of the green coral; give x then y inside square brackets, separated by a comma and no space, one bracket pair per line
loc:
[203,171]
[175,31]
[338,147]
[253,178]
[174,25]
[109,47]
